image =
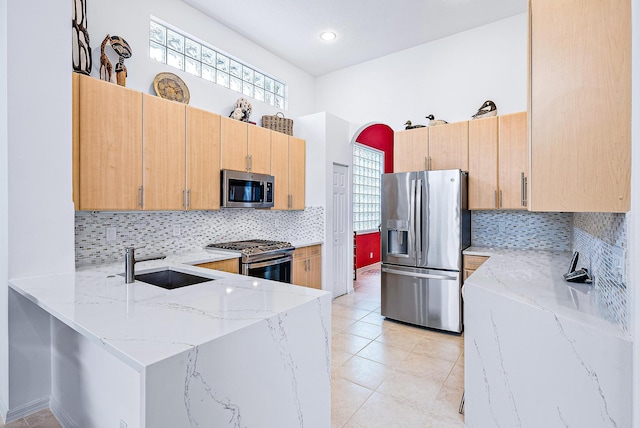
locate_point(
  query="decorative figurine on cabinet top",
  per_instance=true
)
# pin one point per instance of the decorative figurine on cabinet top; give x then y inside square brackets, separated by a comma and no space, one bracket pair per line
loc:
[433,121]
[488,109]
[106,69]
[241,110]
[81,49]
[408,125]
[123,50]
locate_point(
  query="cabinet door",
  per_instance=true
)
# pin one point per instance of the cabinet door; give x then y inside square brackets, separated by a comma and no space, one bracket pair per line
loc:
[449,146]
[410,150]
[513,158]
[203,160]
[314,272]
[297,158]
[230,265]
[164,154]
[233,144]
[259,149]
[280,169]
[299,275]
[109,145]
[483,164]
[580,105]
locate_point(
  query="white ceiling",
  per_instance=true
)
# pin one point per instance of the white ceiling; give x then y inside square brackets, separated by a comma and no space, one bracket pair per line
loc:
[366,29]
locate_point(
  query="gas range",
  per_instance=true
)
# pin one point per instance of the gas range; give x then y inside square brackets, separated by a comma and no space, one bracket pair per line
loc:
[254,250]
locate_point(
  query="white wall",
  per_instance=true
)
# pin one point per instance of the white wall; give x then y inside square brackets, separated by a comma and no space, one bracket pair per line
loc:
[39,210]
[130,20]
[449,78]
[4,227]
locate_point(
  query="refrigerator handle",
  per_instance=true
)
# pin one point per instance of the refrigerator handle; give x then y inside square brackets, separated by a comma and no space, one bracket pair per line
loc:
[419,275]
[412,219]
[418,219]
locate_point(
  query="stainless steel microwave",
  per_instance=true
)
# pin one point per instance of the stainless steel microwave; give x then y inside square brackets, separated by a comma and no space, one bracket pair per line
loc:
[246,189]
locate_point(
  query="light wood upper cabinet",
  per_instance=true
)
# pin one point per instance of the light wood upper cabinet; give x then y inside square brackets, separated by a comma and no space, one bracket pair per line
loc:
[483,164]
[580,105]
[513,161]
[233,144]
[280,170]
[244,147]
[449,146]
[410,150]
[288,156]
[259,149]
[203,160]
[164,154]
[108,150]
[297,159]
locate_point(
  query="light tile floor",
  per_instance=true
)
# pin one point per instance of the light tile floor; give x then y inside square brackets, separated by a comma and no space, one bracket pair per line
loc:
[389,374]
[42,419]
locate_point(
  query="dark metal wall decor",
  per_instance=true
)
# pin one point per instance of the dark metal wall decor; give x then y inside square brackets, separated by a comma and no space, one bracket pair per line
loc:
[81,48]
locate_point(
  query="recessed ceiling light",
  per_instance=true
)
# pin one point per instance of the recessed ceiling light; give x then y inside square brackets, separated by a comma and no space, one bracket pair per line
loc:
[328,36]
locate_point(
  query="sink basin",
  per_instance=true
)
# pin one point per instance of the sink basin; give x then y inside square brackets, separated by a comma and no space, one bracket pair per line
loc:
[171,279]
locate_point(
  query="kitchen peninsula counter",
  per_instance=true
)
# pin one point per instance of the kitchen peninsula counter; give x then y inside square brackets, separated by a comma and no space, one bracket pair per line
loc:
[540,351]
[236,349]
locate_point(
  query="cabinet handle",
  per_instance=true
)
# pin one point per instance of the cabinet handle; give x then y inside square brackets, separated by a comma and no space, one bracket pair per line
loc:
[425,163]
[250,162]
[500,198]
[140,197]
[184,199]
[429,163]
[189,198]
[523,183]
[495,198]
[289,203]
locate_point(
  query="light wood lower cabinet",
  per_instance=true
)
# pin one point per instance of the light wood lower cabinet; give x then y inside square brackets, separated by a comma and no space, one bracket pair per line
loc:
[470,264]
[229,265]
[307,266]
[107,145]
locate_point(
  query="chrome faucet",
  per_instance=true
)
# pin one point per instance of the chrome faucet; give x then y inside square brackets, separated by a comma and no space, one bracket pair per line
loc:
[130,263]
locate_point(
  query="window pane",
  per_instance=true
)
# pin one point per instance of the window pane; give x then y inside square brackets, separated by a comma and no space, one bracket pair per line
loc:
[175,41]
[208,73]
[157,52]
[259,80]
[258,94]
[235,84]
[268,84]
[157,33]
[192,49]
[208,56]
[192,66]
[268,98]
[222,63]
[247,89]
[235,68]
[279,102]
[367,167]
[174,59]
[247,74]
[279,88]
[222,79]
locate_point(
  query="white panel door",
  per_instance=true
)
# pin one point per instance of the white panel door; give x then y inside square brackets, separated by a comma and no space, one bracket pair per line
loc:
[340,231]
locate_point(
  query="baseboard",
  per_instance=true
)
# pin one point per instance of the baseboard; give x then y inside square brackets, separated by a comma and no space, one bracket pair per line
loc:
[27,409]
[62,417]
[3,412]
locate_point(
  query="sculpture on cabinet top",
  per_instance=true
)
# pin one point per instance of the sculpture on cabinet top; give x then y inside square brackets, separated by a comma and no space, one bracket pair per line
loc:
[241,110]
[408,125]
[106,69]
[487,109]
[81,49]
[123,50]
[433,121]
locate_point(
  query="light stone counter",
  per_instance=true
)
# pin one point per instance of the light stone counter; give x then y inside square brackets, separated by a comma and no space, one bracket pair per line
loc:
[537,350]
[235,350]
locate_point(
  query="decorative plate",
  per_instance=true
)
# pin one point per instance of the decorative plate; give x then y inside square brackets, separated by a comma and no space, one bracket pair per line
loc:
[171,87]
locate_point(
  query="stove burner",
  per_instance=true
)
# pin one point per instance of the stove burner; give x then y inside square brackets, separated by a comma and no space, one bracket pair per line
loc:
[254,248]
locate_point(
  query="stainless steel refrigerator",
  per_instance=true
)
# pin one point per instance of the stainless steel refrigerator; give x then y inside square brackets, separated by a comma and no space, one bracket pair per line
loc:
[425,226]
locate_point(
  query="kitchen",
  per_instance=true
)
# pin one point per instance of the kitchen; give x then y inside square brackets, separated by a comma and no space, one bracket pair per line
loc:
[40,245]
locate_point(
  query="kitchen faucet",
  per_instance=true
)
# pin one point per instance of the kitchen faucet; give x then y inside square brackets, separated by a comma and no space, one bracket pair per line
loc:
[130,262]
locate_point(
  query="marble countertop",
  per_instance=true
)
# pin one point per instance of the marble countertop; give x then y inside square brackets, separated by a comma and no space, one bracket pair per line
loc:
[142,324]
[535,278]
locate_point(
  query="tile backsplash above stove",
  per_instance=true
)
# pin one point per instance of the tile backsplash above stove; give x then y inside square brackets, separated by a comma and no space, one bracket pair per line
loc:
[176,231]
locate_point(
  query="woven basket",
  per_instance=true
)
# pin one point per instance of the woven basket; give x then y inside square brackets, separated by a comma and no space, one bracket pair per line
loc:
[278,123]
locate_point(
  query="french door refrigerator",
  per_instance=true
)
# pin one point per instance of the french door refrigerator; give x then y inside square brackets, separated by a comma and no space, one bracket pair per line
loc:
[425,226]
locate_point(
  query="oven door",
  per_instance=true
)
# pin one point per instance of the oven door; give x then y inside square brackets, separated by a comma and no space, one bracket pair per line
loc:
[278,269]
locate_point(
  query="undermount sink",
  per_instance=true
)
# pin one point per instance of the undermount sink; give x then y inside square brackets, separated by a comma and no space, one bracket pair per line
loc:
[171,279]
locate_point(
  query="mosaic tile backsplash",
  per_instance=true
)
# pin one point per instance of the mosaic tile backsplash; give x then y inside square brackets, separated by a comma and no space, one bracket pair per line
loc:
[601,240]
[194,229]
[521,230]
